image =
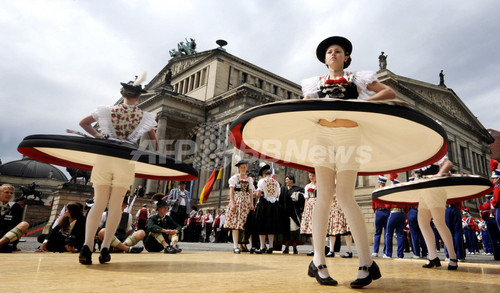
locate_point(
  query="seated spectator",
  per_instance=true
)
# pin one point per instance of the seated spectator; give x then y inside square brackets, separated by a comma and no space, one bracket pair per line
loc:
[162,231]
[12,227]
[67,233]
[125,238]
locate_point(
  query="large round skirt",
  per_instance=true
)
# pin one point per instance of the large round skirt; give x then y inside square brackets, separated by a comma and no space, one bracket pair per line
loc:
[82,152]
[306,222]
[454,187]
[337,223]
[267,217]
[392,136]
[236,219]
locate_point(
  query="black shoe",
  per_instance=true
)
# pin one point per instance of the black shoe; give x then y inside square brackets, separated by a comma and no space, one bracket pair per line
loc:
[170,250]
[269,251]
[373,274]
[330,254]
[347,255]
[260,251]
[252,250]
[313,272]
[177,249]
[85,257]
[432,263]
[453,267]
[295,251]
[136,249]
[236,251]
[104,257]
[310,253]
[286,251]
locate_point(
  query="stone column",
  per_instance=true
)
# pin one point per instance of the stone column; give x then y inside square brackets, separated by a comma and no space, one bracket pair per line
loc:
[161,132]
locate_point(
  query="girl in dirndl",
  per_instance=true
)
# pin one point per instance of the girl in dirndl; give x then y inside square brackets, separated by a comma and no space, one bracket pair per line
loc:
[241,191]
[310,201]
[267,212]
[337,225]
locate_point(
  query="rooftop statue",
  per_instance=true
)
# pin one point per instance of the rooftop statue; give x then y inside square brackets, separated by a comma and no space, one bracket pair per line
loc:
[184,49]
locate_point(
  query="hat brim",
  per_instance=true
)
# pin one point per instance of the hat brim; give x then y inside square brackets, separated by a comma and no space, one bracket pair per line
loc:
[138,89]
[335,40]
[241,162]
[264,168]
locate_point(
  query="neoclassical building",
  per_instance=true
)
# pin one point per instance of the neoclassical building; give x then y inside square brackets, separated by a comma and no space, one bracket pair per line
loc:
[197,96]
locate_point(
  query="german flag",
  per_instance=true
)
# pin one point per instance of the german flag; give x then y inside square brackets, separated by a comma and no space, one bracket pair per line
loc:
[205,192]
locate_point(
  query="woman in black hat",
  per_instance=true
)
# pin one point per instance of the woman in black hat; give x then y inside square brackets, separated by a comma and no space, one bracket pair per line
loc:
[111,177]
[335,53]
[241,191]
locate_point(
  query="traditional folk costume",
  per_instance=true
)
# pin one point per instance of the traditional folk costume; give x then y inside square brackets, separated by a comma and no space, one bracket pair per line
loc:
[243,190]
[267,210]
[331,135]
[310,198]
[114,161]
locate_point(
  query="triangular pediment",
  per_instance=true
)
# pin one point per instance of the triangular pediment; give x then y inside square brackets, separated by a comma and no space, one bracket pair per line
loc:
[440,99]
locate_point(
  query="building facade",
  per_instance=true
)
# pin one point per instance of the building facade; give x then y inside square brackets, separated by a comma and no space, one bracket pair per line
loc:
[196,97]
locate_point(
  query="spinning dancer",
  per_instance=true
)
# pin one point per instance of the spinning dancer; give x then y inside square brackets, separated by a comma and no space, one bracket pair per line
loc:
[335,52]
[112,177]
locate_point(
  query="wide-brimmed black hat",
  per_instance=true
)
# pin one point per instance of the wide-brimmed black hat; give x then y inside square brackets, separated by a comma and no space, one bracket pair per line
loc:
[133,88]
[335,40]
[264,168]
[241,162]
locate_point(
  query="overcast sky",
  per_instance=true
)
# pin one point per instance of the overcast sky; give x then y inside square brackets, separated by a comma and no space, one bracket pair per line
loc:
[60,59]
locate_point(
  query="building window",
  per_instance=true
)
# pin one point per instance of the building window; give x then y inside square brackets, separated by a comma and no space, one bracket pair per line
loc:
[275,89]
[288,95]
[244,77]
[260,83]
[464,157]
[450,151]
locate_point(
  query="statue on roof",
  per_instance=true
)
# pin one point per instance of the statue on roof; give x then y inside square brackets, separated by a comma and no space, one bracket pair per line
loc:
[382,61]
[441,79]
[184,49]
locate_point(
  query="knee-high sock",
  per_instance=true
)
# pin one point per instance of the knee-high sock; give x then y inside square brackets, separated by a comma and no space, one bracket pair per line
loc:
[438,214]
[235,238]
[346,181]
[424,222]
[332,243]
[130,241]
[325,180]
[114,214]
[101,198]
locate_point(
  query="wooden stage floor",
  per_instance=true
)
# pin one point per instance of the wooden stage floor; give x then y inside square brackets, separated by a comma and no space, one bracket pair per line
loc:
[223,271]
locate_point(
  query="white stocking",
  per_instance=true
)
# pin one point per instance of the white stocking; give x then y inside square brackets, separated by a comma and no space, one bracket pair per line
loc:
[424,222]
[332,243]
[325,178]
[235,238]
[114,214]
[101,198]
[438,214]
[346,181]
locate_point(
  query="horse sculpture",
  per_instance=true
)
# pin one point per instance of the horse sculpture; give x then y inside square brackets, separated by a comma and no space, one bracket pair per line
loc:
[184,49]
[31,190]
[76,173]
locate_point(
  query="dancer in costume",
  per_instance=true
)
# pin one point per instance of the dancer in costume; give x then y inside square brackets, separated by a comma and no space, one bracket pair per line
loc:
[432,205]
[267,210]
[310,194]
[112,177]
[241,191]
[337,225]
[335,52]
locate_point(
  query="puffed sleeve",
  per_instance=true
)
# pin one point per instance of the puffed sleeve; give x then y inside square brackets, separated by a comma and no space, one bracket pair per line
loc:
[147,123]
[362,79]
[250,184]
[233,180]
[103,116]
[261,185]
[310,87]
